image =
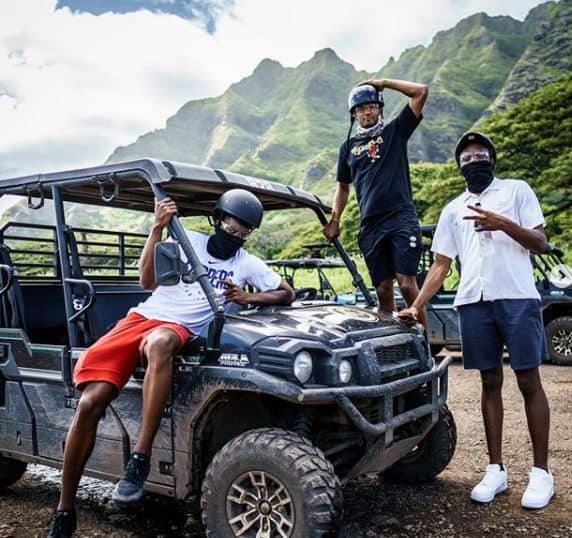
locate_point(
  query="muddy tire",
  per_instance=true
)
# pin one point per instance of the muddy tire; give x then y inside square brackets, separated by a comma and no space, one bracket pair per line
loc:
[559,340]
[273,482]
[10,471]
[430,457]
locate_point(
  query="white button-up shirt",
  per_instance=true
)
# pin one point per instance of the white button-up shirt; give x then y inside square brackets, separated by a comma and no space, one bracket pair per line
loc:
[507,272]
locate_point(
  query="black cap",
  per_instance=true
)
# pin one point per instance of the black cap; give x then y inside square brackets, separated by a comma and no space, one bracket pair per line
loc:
[474,137]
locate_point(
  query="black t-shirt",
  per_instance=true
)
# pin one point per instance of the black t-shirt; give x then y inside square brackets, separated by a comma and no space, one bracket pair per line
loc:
[379,169]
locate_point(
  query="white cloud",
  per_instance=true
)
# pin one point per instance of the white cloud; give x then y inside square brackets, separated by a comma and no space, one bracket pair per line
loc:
[74,86]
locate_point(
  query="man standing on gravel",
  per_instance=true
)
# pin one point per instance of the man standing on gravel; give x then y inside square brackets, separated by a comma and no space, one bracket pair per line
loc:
[492,227]
[375,161]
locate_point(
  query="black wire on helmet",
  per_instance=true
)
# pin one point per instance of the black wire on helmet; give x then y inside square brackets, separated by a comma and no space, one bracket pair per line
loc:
[353,119]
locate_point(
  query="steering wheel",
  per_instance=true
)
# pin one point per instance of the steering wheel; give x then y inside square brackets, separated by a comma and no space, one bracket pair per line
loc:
[306,294]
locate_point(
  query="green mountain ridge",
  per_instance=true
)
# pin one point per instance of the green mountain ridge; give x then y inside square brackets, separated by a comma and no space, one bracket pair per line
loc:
[286,123]
[545,59]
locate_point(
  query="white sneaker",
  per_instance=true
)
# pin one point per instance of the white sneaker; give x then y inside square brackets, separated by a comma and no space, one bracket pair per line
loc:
[493,482]
[540,489]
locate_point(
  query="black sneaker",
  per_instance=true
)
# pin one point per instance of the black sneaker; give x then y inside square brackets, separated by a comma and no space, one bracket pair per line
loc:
[129,489]
[63,524]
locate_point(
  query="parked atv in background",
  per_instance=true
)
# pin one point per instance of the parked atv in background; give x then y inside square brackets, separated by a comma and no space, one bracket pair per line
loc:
[271,410]
[312,270]
[556,303]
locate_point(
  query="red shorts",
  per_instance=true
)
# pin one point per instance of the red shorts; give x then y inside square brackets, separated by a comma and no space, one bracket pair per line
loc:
[114,357]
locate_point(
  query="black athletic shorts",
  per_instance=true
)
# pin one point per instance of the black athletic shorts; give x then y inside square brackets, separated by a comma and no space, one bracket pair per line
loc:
[391,245]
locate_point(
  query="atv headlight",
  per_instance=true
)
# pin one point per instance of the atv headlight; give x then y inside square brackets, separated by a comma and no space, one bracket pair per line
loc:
[303,366]
[345,371]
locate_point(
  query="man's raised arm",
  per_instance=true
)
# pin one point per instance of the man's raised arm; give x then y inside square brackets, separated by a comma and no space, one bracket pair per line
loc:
[416,92]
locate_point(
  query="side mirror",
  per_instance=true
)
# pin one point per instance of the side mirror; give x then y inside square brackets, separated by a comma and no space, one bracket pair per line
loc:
[168,265]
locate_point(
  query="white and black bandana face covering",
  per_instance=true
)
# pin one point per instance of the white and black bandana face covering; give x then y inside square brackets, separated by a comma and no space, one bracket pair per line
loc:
[374,130]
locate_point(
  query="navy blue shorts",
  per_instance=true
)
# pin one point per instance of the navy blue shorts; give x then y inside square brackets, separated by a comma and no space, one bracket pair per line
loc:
[391,246]
[516,323]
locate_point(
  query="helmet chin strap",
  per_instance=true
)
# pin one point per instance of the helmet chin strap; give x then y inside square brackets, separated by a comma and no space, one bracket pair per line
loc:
[352,121]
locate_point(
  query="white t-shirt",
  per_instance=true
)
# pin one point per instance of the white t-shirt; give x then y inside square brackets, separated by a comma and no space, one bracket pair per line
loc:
[507,273]
[187,304]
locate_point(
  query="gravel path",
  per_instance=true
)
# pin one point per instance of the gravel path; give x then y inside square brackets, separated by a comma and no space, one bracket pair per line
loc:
[372,508]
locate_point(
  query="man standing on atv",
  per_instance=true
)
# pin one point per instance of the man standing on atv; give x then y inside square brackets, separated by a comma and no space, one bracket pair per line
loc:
[375,161]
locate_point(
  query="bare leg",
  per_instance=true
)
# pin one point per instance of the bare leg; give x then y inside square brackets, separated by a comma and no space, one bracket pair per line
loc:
[159,349]
[385,295]
[537,414]
[81,438]
[492,409]
[410,291]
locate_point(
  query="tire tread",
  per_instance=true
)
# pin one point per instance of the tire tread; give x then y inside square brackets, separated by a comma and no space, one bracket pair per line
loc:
[316,475]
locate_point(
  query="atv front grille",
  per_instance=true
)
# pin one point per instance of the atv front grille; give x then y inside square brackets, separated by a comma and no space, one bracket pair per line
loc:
[397,360]
[395,353]
[280,366]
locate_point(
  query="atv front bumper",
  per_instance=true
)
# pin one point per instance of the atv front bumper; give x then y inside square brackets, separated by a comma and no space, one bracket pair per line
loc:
[384,446]
[435,380]
[385,450]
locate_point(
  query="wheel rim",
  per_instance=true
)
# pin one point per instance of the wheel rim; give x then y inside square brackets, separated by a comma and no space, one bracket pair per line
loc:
[259,505]
[562,342]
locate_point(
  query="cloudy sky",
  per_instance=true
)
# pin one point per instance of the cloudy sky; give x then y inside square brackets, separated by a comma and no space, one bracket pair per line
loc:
[80,77]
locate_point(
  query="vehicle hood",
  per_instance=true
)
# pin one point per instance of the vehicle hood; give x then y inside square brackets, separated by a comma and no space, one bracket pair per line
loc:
[328,322]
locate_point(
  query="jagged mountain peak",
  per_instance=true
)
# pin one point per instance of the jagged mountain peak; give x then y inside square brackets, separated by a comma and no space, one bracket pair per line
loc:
[326,55]
[497,23]
[266,69]
[265,78]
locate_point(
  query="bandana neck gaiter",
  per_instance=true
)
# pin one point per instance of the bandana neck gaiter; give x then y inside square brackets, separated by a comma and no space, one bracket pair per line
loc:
[222,245]
[478,175]
[374,130]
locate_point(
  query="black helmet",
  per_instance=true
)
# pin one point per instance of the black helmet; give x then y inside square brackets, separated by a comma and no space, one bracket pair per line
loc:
[241,205]
[361,95]
[474,137]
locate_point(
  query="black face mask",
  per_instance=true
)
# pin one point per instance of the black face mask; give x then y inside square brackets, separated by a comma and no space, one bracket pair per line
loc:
[222,245]
[479,175]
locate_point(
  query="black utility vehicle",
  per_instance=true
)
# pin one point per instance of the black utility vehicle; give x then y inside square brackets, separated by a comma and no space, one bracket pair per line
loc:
[271,410]
[553,281]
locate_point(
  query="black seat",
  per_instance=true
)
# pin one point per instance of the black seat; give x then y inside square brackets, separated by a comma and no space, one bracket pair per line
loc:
[88,323]
[12,302]
[193,346]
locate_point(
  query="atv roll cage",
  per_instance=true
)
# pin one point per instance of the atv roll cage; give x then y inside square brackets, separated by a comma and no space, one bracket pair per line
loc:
[195,189]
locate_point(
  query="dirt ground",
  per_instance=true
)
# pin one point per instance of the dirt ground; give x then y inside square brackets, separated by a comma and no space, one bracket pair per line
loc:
[372,508]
